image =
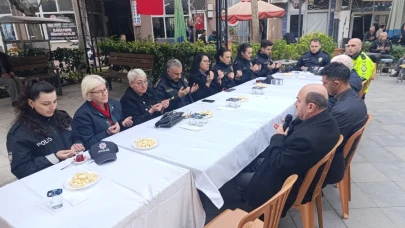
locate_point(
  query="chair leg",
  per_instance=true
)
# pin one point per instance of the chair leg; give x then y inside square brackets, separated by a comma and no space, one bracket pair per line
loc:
[350,186]
[307,215]
[344,195]
[319,210]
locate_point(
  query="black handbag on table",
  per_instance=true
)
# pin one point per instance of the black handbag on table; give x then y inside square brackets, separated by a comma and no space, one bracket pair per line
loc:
[170,119]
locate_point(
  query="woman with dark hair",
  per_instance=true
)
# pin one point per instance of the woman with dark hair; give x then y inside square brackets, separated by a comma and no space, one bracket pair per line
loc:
[202,76]
[243,67]
[223,70]
[41,135]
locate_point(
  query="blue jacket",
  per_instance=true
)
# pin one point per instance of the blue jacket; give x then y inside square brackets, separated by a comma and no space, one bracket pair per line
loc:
[311,60]
[90,126]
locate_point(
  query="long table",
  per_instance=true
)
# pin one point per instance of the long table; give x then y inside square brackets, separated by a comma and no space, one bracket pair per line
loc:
[229,141]
[134,191]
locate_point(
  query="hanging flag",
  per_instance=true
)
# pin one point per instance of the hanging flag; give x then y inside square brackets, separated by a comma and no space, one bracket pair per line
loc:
[150,7]
[179,23]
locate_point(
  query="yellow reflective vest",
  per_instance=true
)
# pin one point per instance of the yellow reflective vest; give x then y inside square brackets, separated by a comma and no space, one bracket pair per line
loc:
[364,66]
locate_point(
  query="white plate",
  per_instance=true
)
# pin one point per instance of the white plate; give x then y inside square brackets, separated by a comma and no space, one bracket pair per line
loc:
[67,186]
[78,163]
[157,144]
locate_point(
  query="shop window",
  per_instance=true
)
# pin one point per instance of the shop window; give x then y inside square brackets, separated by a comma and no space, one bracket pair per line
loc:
[318,4]
[49,6]
[65,5]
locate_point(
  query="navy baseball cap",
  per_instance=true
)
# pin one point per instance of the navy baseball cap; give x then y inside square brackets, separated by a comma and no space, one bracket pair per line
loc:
[103,152]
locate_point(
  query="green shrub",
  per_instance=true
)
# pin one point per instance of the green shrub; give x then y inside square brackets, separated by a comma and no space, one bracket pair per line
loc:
[163,52]
[72,63]
[186,51]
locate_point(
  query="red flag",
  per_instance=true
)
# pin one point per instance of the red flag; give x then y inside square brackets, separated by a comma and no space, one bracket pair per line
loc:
[150,7]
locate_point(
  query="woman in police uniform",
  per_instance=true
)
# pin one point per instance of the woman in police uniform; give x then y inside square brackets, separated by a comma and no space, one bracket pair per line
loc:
[243,67]
[223,69]
[41,135]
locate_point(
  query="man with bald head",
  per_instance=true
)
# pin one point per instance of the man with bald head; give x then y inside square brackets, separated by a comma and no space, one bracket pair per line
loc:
[295,150]
[383,46]
[363,65]
[349,111]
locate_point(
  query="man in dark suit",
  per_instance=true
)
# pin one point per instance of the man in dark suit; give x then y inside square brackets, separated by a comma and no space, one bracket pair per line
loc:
[349,111]
[310,137]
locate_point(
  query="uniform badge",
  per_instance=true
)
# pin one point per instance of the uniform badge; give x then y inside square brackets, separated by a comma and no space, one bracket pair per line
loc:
[320,59]
[364,69]
[69,128]
[169,90]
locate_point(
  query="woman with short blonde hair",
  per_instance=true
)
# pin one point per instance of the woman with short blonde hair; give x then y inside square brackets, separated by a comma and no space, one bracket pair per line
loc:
[99,116]
[139,101]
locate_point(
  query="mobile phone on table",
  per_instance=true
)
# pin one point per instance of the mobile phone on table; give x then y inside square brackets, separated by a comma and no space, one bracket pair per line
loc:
[230,90]
[209,101]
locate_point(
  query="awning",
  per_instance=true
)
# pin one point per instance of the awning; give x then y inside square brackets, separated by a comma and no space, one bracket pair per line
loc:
[8,19]
[396,18]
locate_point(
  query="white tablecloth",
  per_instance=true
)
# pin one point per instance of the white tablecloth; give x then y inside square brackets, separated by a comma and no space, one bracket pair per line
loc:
[230,140]
[134,191]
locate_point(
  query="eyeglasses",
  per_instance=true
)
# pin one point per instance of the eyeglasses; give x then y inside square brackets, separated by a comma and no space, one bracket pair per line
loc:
[206,61]
[99,92]
[139,83]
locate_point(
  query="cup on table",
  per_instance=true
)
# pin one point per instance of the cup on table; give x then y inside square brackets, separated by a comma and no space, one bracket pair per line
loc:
[56,199]
[257,90]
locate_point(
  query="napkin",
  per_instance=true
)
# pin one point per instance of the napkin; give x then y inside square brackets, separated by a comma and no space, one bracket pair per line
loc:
[75,197]
[191,128]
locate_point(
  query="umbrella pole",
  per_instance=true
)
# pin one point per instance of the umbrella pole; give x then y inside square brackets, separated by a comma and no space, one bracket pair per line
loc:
[84,36]
[299,19]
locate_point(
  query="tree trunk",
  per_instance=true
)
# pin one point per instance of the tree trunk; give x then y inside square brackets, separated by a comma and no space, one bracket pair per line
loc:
[255,22]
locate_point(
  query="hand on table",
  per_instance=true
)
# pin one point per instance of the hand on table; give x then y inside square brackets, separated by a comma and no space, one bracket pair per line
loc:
[65,154]
[77,147]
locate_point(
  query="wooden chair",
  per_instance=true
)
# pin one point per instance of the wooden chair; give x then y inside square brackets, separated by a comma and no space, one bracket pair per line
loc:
[365,85]
[308,209]
[271,210]
[348,150]
[37,66]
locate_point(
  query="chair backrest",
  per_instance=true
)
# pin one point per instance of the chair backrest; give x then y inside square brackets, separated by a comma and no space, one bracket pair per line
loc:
[309,177]
[365,85]
[352,143]
[29,62]
[272,209]
[143,61]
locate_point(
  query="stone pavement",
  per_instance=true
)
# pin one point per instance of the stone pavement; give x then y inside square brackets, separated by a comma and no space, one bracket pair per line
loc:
[378,168]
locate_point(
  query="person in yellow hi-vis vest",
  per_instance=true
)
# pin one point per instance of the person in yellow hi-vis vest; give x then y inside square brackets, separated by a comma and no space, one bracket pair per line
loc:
[363,65]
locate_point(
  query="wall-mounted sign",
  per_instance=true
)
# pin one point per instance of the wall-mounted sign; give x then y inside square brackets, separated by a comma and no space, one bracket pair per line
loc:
[62,31]
[135,16]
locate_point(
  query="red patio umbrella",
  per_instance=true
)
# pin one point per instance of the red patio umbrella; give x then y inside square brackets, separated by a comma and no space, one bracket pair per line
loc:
[242,11]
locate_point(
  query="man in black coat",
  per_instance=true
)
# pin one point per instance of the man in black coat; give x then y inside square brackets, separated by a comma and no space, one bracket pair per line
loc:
[173,86]
[310,137]
[263,58]
[349,111]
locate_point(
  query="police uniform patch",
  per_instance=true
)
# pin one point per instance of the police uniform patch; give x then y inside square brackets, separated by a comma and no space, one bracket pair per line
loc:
[169,90]
[320,59]
[364,69]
